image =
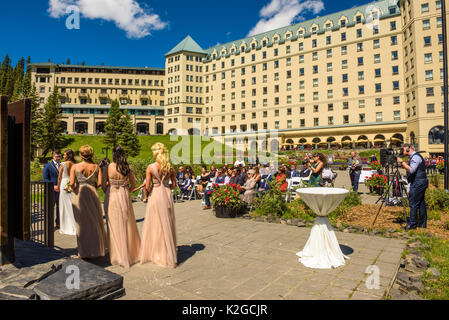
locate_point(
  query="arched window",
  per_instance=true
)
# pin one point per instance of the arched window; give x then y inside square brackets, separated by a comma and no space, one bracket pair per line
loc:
[436,135]
[159,128]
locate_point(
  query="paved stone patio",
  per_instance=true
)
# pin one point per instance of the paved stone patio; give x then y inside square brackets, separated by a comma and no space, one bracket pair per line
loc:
[242,259]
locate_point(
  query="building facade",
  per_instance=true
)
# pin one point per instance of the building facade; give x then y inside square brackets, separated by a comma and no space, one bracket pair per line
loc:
[86,93]
[367,76]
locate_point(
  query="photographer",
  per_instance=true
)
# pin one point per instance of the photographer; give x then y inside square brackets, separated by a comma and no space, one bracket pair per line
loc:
[416,176]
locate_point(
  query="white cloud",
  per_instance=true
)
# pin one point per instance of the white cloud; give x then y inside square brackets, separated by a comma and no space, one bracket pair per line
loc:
[127,15]
[281,13]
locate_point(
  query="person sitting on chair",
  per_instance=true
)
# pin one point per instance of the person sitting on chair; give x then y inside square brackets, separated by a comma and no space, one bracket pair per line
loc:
[305,172]
[187,186]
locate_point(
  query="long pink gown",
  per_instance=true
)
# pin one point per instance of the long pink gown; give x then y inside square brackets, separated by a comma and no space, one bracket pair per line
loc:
[159,230]
[124,239]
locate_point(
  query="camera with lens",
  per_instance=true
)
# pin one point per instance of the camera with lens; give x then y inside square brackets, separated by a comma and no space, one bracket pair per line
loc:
[388,157]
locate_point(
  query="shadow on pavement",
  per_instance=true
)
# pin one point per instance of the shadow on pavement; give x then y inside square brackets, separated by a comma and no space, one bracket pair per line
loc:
[186,252]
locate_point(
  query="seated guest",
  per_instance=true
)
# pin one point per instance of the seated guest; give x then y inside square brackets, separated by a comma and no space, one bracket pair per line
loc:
[204,179]
[235,173]
[242,177]
[257,175]
[187,186]
[213,172]
[190,171]
[293,172]
[228,176]
[180,176]
[282,179]
[249,187]
[305,172]
[221,177]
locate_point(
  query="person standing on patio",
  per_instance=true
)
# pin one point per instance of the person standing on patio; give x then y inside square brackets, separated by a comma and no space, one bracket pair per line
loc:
[124,239]
[355,170]
[85,179]
[316,166]
[67,220]
[159,230]
[51,174]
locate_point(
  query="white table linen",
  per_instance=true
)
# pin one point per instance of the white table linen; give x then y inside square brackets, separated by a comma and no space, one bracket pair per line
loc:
[322,250]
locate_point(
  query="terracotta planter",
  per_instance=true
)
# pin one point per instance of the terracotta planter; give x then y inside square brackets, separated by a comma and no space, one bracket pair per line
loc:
[225,212]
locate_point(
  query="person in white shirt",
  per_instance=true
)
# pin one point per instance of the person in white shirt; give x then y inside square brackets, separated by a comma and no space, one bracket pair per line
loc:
[239,162]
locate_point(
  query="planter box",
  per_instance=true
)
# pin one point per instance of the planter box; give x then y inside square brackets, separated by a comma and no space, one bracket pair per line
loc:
[225,212]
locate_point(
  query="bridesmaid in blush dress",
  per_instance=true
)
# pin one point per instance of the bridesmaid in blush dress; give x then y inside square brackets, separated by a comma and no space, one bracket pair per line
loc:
[124,239]
[85,179]
[159,230]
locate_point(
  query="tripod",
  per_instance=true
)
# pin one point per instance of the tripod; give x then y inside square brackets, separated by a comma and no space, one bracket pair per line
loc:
[399,192]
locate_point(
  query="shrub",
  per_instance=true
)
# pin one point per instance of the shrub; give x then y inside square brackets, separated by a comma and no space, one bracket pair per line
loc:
[227,196]
[435,179]
[352,200]
[139,167]
[437,200]
[298,209]
[272,203]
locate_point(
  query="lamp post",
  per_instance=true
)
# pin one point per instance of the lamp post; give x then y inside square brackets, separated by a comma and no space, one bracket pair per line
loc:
[445,86]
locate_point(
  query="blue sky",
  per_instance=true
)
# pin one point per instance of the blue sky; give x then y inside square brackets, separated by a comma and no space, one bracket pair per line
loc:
[139,32]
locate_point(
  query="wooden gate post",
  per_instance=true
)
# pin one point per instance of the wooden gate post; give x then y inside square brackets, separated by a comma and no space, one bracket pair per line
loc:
[6,242]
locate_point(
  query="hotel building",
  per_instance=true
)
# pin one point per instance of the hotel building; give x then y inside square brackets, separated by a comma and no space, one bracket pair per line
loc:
[369,75]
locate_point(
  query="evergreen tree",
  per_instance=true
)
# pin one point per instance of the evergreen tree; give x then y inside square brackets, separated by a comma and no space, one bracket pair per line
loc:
[17,92]
[4,74]
[68,61]
[36,119]
[113,125]
[128,139]
[51,135]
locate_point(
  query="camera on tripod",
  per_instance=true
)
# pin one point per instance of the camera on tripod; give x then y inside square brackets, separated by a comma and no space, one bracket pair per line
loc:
[388,157]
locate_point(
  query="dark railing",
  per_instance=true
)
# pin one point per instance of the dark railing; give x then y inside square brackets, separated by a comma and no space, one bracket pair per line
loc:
[42,213]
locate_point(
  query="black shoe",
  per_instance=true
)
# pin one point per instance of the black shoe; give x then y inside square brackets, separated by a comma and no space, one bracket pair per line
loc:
[57,227]
[408,227]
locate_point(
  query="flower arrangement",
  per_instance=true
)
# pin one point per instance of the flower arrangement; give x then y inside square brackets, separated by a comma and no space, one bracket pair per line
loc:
[376,181]
[227,196]
[68,188]
[440,165]
[375,165]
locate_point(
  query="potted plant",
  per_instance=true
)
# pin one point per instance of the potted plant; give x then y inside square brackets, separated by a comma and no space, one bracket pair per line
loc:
[376,183]
[440,166]
[375,165]
[226,200]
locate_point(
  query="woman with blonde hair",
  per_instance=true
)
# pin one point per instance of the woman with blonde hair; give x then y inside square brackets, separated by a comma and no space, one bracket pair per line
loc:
[85,179]
[159,230]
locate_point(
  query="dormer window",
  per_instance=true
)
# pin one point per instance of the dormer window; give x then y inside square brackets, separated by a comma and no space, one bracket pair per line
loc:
[358,19]
[328,26]
[343,23]
[314,30]
[301,33]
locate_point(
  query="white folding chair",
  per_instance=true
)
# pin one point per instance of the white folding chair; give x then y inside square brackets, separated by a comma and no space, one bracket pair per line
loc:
[289,190]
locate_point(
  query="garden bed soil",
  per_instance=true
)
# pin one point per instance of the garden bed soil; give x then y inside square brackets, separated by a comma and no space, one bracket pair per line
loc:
[390,218]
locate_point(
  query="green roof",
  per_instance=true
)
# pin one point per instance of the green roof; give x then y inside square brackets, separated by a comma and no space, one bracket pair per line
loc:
[187,45]
[383,5]
[52,64]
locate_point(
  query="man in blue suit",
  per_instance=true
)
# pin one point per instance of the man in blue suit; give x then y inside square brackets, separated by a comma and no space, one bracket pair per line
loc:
[51,174]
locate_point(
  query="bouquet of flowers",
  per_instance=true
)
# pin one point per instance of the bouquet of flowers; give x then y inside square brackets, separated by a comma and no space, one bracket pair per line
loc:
[440,165]
[227,196]
[375,165]
[68,188]
[376,181]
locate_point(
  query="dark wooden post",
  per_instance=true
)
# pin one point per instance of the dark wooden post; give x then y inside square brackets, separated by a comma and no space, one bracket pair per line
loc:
[20,139]
[6,241]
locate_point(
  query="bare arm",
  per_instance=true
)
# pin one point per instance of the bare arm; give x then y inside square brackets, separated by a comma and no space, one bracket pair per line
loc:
[104,181]
[318,168]
[100,178]
[60,176]
[173,180]
[132,181]
[149,178]
[72,176]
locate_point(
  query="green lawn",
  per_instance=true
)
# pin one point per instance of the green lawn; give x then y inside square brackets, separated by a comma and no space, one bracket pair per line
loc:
[96,142]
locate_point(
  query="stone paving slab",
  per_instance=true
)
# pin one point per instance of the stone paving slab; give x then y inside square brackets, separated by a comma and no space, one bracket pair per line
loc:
[242,259]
